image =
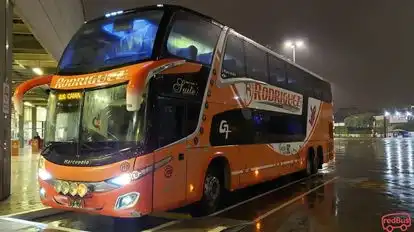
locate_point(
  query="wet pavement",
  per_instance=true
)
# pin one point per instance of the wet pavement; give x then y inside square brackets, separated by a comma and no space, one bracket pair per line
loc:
[369,179]
[24,186]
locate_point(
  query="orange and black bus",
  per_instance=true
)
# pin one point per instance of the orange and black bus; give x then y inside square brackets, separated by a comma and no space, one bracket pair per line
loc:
[158,107]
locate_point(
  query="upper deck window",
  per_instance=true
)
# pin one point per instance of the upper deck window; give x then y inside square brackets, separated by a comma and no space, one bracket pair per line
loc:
[193,38]
[111,42]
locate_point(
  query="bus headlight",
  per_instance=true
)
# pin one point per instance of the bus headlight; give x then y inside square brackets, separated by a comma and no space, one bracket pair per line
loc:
[58,186]
[73,190]
[65,187]
[121,180]
[82,190]
[42,173]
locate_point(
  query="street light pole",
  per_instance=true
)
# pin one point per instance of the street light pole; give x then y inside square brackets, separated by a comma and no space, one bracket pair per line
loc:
[293,45]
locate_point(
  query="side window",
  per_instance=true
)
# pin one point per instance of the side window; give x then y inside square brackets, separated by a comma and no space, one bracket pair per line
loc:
[192,115]
[177,119]
[256,62]
[171,126]
[326,91]
[193,38]
[277,73]
[233,62]
[295,78]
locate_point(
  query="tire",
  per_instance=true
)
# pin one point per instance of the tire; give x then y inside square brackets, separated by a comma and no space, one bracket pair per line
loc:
[315,164]
[309,166]
[212,191]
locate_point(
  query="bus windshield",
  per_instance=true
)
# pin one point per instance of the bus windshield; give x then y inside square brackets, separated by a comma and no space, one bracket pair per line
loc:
[93,118]
[112,42]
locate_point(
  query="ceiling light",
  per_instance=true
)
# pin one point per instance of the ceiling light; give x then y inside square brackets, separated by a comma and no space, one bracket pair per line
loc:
[38,71]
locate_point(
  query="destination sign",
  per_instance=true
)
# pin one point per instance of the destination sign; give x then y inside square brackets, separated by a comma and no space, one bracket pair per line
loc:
[69,96]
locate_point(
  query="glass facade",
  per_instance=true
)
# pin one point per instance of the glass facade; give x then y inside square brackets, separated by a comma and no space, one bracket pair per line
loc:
[28,120]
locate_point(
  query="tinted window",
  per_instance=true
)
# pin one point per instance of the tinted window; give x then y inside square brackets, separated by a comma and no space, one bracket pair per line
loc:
[317,88]
[177,119]
[326,91]
[233,63]
[251,126]
[111,42]
[193,38]
[256,62]
[276,71]
[171,127]
[295,78]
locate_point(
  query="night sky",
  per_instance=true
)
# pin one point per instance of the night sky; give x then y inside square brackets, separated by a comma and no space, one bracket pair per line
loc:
[363,47]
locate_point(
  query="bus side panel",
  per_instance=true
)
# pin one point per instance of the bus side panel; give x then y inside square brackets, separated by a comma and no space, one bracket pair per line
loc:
[199,160]
[144,185]
[170,177]
[321,134]
[260,160]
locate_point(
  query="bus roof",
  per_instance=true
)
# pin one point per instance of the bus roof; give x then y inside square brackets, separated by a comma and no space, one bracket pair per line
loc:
[178,7]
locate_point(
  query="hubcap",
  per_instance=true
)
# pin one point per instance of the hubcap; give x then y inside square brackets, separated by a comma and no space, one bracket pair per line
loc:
[212,188]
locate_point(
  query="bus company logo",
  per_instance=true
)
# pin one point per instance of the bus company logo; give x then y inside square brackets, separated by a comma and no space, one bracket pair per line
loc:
[269,95]
[63,82]
[168,171]
[76,162]
[224,128]
[185,87]
[393,221]
[125,167]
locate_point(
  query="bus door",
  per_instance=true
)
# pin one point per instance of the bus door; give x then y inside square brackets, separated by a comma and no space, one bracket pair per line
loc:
[170,158]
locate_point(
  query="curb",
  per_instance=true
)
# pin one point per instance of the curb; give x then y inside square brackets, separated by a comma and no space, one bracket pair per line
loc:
[33,214]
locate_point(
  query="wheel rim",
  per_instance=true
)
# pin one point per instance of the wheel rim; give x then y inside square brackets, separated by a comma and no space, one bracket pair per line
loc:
[212,188]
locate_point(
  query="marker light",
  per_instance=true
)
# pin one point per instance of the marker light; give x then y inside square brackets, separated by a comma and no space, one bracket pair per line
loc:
[111,14]
[121,180]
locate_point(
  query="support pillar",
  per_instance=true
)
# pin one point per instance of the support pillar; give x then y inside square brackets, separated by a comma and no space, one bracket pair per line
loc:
[21,129]
[6,26]
[34,121]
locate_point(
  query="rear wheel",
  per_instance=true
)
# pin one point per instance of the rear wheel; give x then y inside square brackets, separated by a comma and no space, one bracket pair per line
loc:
[315,164]
[309,165]
[212,191]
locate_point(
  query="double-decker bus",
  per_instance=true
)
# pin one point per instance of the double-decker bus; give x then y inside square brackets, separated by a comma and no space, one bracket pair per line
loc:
[159,107]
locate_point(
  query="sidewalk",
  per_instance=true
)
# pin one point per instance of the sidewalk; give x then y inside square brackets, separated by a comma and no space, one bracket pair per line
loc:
[24,185]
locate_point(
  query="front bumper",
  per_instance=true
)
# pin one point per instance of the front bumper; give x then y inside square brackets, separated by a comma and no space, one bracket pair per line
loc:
[103,203]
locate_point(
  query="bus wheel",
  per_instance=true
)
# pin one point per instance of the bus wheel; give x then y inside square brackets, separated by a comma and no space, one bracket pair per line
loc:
[315,164]
[309,165]
[213,189]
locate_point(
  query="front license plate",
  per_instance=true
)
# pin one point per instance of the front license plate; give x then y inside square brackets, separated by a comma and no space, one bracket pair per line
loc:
[76,203]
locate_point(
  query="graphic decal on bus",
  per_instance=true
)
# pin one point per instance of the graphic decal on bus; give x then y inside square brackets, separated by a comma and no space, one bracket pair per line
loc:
[86,80]
[314,107]
[268,97]
[185,87]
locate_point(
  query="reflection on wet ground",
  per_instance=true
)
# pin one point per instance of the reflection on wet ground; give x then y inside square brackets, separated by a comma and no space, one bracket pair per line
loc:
[369,179]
